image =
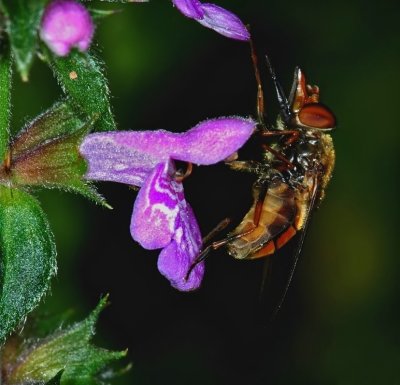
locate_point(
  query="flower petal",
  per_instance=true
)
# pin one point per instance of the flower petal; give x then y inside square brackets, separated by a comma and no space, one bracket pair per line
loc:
[176,259]
[125,156]
[156,208]
[213,140]
[162,218]
[130,156]
[223,22]
[190,8]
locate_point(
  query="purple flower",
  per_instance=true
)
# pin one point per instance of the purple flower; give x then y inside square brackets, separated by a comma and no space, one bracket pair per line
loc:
[66,24]
[214,17]
[161,216]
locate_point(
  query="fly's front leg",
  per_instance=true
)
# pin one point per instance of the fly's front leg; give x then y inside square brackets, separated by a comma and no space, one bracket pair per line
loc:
[251,166]
[293,135]
[288,164]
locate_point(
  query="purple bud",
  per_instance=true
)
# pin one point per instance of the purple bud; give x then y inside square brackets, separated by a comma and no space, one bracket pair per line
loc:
[66,24]
[214,17]
[224,22]
[190,8]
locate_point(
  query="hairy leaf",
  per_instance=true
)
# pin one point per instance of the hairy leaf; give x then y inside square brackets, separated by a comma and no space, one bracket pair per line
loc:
[69,350]
[81,76]
[56,380]
[5,96]
[27,257]
[23,19]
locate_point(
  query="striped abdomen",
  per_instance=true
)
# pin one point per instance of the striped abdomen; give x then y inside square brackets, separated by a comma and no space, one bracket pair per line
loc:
[282,214]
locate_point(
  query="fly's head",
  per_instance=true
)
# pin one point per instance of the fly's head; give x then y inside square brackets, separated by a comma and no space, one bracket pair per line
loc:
[306,111]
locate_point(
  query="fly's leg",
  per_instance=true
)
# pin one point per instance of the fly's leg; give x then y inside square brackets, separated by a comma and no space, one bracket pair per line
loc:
[260,92]
[215,246]
[221,226]
[218,244]
[251,166]
[278,155]
[293,135]
[181,176]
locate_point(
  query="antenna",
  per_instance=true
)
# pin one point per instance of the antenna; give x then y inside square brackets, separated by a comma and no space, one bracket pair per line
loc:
[282,99]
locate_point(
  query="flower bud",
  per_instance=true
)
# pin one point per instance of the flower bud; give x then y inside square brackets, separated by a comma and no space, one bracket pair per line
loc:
[66,24]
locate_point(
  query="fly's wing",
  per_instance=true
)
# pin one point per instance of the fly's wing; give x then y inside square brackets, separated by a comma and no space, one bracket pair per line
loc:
[279,269]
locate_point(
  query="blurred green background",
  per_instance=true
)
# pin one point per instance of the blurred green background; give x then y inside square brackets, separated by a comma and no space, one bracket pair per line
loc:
[339,323]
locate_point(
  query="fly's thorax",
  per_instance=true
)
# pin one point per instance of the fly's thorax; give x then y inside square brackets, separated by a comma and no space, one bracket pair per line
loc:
[327,159]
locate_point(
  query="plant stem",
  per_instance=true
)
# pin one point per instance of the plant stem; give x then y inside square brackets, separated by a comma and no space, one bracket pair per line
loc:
[5,95]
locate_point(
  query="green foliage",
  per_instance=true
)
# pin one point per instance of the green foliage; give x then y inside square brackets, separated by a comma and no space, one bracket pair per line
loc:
[56,380]
[68,350]
[101,13]
[23,20]
[46,152]
[27,257]
[81,76]
[5,96]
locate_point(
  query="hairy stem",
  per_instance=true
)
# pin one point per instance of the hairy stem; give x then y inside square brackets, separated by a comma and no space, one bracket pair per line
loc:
[5,95]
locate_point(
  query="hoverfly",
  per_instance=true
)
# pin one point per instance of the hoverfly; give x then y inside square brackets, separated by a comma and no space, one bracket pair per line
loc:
[291,177]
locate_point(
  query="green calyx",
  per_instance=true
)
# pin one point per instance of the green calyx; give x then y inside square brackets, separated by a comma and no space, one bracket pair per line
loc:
[46,153]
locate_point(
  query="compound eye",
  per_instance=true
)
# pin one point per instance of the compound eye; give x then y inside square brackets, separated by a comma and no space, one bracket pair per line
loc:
[316,115]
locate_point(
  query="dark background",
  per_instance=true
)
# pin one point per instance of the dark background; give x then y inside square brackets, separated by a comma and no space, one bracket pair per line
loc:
[339,323]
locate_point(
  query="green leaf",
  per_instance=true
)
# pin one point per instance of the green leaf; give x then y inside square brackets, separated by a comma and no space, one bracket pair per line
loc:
[27,257]
[81,76]
[98,14]
[5,96]
[56,380]
[69,350]
[23,20]
[46,152]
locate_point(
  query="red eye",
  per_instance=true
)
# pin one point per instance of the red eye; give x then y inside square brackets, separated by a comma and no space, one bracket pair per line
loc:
[316,115]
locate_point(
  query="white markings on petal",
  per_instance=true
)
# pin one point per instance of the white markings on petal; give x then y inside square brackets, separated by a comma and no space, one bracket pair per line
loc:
[168,213]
